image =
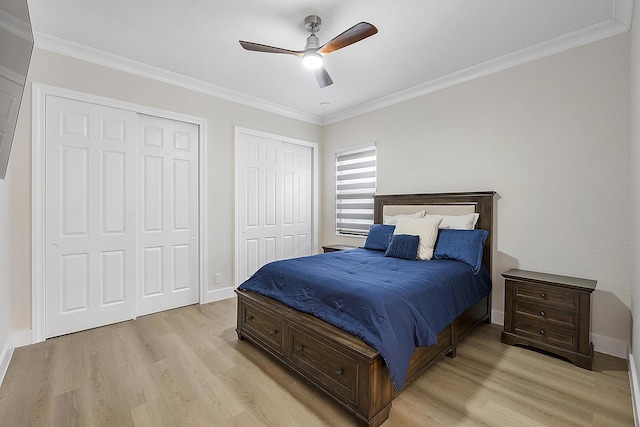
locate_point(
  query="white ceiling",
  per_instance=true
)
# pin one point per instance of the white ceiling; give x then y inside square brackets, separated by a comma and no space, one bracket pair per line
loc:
[421,46]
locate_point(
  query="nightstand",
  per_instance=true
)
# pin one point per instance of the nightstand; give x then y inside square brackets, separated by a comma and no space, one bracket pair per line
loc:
[336,248]
[549,312]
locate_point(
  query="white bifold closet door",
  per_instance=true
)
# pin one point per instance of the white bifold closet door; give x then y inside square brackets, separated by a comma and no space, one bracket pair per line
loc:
[275,181]
[168,212]
[121,215]
[90,216]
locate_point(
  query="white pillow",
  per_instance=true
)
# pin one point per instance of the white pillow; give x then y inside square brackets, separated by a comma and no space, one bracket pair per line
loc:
[457,222]
[426,228]
[393,219]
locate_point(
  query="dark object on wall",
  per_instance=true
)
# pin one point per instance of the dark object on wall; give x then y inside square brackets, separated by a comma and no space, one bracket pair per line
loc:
[16,47]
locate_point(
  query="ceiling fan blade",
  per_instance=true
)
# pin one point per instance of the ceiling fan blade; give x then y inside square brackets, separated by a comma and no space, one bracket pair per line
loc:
[257,47]
[352,35]
[323,77]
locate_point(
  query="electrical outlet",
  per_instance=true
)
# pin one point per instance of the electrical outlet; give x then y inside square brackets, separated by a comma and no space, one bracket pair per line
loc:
[217,278]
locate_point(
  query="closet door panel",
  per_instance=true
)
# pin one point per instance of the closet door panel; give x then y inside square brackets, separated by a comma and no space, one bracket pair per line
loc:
[168,189]
[90,215]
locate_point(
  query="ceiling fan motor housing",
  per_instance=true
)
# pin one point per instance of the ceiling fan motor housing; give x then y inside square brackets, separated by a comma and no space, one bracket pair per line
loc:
[312,23]
[313,43]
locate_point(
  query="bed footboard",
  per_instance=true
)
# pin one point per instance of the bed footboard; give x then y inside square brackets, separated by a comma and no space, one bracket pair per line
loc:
[337,363]
[342,366]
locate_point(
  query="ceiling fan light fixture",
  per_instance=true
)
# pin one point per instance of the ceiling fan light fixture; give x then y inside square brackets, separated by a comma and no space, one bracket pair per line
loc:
[312,60]
[313,53]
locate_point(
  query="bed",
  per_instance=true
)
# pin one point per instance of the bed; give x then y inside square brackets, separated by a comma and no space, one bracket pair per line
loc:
[341,364]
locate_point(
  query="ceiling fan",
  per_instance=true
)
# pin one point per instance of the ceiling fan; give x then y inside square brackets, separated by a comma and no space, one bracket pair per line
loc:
[313,52]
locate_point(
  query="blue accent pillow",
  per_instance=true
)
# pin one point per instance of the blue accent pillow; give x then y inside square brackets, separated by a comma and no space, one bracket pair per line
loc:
[378,238]
[461,245]
[403,246]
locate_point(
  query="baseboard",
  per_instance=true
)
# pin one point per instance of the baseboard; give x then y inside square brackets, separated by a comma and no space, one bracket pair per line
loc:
[5,357]
[219,294]
[497,317]
[635,389]
[610,346]
[22,338]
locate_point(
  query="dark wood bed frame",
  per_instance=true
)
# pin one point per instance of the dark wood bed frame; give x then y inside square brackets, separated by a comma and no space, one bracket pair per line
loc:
[341,365]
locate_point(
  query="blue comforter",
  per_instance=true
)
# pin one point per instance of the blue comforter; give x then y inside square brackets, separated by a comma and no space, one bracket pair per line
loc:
[394,305]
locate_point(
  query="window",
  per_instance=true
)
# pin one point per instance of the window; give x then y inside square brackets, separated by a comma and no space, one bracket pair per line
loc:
[355,187]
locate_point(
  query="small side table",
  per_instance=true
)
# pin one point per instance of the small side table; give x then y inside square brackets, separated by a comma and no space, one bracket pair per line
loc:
[549,312]
[336,248]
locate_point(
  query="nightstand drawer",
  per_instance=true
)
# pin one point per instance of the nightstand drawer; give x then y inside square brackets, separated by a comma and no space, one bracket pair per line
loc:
[538,331]
[336,248]
[546,314]
[547,295]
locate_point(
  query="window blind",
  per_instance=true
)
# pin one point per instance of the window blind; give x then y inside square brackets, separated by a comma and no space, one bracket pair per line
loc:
[355,187]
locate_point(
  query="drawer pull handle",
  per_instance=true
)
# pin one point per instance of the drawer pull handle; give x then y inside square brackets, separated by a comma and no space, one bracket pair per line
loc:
[249,318]
[541,331]
[273,332]
[543,295]
[339,372]
[299,348]
[543,314]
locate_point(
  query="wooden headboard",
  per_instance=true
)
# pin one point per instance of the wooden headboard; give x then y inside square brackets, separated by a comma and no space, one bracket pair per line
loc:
[443,204]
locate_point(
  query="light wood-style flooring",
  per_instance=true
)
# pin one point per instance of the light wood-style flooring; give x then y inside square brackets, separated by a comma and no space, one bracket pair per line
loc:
[186,367]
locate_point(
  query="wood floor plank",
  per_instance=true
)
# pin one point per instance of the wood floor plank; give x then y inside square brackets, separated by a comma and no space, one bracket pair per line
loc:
[186,367]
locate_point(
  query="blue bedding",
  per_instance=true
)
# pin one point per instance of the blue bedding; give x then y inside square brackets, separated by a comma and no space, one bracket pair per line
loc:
[392,304]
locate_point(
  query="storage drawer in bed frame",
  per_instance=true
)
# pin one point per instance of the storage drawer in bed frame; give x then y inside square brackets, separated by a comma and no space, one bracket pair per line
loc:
[342,366]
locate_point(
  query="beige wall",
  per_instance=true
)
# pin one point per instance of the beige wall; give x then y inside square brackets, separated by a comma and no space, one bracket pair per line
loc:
[64,72]
[15,237]
[635,161]
[5,267]
[551,137]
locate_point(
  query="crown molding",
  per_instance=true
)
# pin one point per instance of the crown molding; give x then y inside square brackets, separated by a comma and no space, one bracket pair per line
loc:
[622,12]
[12,75]
[15,26]
[99,57]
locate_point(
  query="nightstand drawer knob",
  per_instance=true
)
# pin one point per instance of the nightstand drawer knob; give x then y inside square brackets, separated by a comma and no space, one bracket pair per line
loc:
[299,348]
[542,313]
[339,372]
[273,332]
[543,295]
[541,331]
